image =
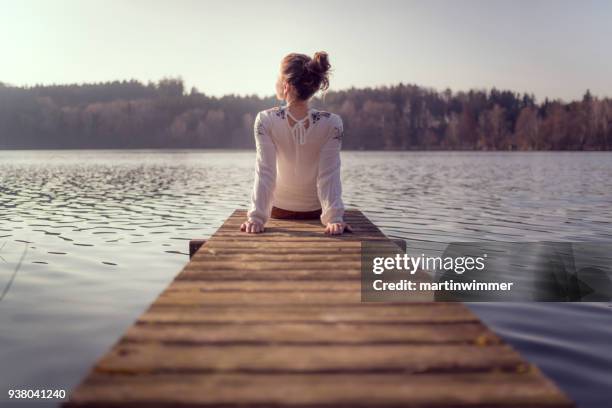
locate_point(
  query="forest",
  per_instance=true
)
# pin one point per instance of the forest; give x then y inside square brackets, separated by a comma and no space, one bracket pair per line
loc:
[163,114]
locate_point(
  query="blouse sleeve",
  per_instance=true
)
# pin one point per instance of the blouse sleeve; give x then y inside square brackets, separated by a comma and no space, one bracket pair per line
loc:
[329,187]
[265,173]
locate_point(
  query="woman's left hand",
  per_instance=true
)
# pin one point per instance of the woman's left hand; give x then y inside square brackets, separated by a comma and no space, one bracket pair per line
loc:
[337,228]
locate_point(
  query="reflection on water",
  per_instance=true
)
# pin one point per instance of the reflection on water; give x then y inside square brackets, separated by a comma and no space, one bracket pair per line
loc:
[103,232]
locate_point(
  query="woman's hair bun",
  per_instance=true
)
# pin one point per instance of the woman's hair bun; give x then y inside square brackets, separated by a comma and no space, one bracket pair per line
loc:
[320,62]
[308,75]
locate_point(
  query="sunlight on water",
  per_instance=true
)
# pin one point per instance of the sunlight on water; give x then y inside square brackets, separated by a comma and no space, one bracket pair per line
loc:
[89,238]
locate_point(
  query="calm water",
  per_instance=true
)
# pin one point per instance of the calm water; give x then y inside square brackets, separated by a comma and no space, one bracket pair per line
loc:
[101,233]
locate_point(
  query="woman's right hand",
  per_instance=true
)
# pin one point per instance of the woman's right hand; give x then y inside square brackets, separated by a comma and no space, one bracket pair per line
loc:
[252,227]
[337,228]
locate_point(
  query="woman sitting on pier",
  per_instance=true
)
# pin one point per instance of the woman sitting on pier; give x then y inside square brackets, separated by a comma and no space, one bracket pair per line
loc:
[297,172]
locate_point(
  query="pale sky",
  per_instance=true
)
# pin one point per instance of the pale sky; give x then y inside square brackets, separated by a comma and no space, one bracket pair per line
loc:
[550,48]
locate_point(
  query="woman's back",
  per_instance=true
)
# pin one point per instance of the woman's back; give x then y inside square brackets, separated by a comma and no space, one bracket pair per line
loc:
[305,149]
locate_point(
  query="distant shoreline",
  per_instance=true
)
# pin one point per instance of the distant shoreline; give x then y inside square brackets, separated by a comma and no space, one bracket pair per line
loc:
[404,117]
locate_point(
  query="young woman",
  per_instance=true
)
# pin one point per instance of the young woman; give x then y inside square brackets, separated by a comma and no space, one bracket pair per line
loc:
[297,171]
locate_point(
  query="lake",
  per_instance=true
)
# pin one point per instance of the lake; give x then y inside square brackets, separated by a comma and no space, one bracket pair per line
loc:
[88,239]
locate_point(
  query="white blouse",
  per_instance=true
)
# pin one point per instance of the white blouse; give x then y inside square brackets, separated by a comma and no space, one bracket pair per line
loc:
[297,168]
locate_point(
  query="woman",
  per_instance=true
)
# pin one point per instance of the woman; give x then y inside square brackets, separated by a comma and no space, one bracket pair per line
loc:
[297,172]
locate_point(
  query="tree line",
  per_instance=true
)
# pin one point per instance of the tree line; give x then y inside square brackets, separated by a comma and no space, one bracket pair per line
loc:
[163,114]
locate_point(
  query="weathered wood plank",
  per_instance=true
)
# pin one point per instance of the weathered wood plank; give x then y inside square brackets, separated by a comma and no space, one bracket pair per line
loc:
[189,273]
[314,245]
[258,298]
[216,265]
[329,358]
[259,257]
[374,313]
[310,239]
[495,390]
[249,248]
[312,333]
[270,286]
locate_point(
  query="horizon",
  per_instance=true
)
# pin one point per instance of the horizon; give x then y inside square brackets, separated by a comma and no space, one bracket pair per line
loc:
[187,89]
[551,49]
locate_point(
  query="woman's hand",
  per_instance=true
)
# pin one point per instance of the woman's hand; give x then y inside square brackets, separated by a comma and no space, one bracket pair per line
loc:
[337,228]
[253,227]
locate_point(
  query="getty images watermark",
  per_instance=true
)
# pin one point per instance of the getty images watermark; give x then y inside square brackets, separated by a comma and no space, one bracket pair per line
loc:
[486,271]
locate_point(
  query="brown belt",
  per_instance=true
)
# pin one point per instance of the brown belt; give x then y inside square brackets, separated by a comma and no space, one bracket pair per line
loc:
[295,215]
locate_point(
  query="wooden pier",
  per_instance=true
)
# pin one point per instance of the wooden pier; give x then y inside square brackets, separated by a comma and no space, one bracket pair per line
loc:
[275,320]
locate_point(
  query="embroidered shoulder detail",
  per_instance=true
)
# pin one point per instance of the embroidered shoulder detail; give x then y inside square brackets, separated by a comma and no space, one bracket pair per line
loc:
[338,127]
[260,129]
[278,111]
[338,133]
[317,115]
